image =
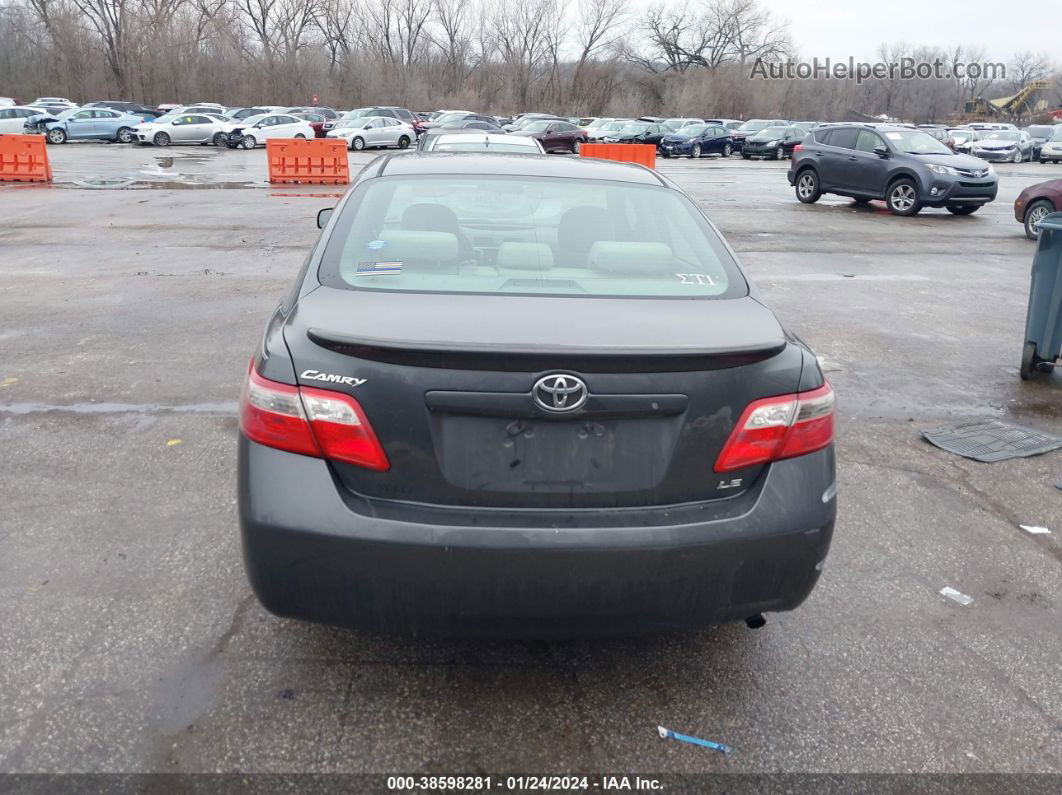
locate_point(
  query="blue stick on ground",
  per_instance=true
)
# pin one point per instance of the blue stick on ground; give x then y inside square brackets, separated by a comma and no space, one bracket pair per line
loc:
[722,747]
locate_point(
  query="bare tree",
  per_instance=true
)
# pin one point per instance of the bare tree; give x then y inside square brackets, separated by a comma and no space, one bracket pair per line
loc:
[1027,67]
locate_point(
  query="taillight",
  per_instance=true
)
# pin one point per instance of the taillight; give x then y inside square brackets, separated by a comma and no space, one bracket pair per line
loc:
[798,147]
[779,427]
[314,422]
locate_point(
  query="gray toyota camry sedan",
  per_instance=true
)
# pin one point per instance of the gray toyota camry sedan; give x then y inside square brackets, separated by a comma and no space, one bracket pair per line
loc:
[516,395]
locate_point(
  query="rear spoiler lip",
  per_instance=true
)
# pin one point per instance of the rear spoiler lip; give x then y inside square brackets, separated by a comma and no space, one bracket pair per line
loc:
[327,338]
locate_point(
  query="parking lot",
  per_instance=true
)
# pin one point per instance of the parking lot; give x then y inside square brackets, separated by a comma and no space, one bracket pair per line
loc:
[134,289]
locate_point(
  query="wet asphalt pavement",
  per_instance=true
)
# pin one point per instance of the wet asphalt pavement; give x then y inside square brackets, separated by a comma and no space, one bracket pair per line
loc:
[130,640]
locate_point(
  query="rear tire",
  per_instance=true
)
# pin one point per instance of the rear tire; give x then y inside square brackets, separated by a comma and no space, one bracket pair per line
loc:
[56,136]
[1034,214]
[902,198]
[124,135]
[357,144]
[161,139]
[807,186]
[1028,361]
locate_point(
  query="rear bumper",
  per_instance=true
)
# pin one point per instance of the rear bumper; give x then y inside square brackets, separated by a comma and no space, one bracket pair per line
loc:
[309,555]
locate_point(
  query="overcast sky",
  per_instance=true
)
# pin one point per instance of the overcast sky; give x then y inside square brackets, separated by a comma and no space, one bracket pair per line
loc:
[839,28]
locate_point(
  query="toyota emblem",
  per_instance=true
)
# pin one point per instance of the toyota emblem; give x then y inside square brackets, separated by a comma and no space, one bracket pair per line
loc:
[559,392]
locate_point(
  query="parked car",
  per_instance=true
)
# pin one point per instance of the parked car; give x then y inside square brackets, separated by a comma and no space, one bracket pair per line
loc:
[774,142]
[468,123]
[524,119]
[942,134]
[381,111]
[1011,145]
[1051,151]
[730,124]
[639,132]
[907,168]
[315,120]
[183,128]
[963,138]
[595,124]
[1035,203]
[326,113]
[143,111]
[679,123]
[13,118]
[239,114]
[468,141]
[368,132]
[599,474]
[1040,134]
[8,102]
[695,140]
[54,103]
[603,131]
[753,126]
[256,130]
[555,136]
[82,124]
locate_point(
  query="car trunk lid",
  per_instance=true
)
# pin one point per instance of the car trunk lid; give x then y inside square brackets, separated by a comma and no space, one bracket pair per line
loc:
[449,385]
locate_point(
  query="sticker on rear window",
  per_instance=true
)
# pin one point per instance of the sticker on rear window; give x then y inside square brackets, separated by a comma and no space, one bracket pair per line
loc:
[377,268]
[694,278]
[375,245]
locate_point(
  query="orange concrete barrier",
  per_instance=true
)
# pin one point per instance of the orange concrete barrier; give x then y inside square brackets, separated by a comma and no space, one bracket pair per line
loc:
[318,161]
[645,154]
[24,158]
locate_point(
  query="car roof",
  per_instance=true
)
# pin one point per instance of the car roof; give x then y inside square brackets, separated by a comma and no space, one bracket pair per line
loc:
[486,135]
[521,165]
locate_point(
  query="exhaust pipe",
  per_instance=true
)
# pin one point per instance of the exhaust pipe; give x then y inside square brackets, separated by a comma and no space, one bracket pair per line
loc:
[756,621]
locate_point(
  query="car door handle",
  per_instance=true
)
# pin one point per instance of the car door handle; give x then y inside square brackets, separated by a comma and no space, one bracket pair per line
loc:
[852,158]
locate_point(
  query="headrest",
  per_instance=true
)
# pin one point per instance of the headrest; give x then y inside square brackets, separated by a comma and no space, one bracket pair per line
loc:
[525,256]
[629,257]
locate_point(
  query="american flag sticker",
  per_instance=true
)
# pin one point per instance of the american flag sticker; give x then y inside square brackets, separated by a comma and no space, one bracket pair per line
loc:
[377,268]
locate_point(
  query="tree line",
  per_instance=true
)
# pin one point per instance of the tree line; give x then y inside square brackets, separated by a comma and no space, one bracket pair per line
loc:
[598,57]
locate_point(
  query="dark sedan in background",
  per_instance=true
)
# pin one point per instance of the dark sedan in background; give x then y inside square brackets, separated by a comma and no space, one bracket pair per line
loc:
[695,140]
[1040,134]
[753,126]
[555,136]
[639,132]
[775,142]
[635,444]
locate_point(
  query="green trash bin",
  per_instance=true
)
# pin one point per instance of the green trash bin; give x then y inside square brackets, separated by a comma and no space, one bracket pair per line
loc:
[1043,324]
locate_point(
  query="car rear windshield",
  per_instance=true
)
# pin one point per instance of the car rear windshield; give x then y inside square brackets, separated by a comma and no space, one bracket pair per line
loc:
[526,235]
